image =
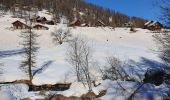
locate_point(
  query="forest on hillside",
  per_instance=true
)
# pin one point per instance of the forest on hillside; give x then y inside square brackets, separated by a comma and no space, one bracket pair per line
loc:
[79,9]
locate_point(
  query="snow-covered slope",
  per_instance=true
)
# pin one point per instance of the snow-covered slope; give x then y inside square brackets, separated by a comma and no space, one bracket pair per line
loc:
[119,42]
[105,42]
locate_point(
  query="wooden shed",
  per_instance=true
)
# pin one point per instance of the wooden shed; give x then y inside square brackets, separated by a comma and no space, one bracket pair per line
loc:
[75,23]
[40,27]
[41,19]
[19,25]
[50,22]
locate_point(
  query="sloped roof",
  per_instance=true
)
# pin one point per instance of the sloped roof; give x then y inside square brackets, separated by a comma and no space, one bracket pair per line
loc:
[20,23]
[41,18]
[147,23]
[152,23]
[40,26]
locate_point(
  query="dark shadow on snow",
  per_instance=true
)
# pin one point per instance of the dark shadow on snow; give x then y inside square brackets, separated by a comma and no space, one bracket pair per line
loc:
[42,68]
[138,69]
[9,53]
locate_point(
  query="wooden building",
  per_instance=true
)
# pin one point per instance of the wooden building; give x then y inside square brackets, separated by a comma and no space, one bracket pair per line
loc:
[19,25]
[40,27]
[41,20]
[75,23]
[153,25]
[50,22]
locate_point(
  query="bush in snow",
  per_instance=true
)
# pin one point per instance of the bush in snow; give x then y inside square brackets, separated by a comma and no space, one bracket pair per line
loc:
[61,35]
[114,69]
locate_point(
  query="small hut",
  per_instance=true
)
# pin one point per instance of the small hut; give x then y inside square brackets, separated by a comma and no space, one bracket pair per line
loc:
[50,22]
[40,27]
[41,19]
[75,23]
[19,25]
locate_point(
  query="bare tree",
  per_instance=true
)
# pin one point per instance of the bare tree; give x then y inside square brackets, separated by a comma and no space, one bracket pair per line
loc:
[74,53]
[114,69]
[165,10]
[163,39]
[61,35]
[80,56]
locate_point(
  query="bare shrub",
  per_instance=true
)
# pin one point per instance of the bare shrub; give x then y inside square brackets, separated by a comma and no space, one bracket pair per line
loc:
[61,35]
[80,57]
[114,69]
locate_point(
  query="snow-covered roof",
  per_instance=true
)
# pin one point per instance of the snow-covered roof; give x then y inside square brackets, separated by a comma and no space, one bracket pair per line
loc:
[18,21]
[153,23]
[41,18]
[147,23]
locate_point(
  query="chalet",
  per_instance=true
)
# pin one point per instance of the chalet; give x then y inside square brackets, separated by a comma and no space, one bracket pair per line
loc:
[146,24]
[153,25]
[40,27]
[100,23]
[50,22]
[41,19]
[19,25]
[75,23]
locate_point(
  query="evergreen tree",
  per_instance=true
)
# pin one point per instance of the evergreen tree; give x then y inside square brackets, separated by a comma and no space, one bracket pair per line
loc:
[30,46]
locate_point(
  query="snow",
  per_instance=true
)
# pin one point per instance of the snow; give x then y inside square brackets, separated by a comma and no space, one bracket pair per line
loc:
[119,42]
[104,41]
[45,14]
[151,24]
[13,91]
[146,92]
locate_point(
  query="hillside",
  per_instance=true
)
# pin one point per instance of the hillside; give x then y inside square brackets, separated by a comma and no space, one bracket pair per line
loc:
[135,48]
[76,9]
